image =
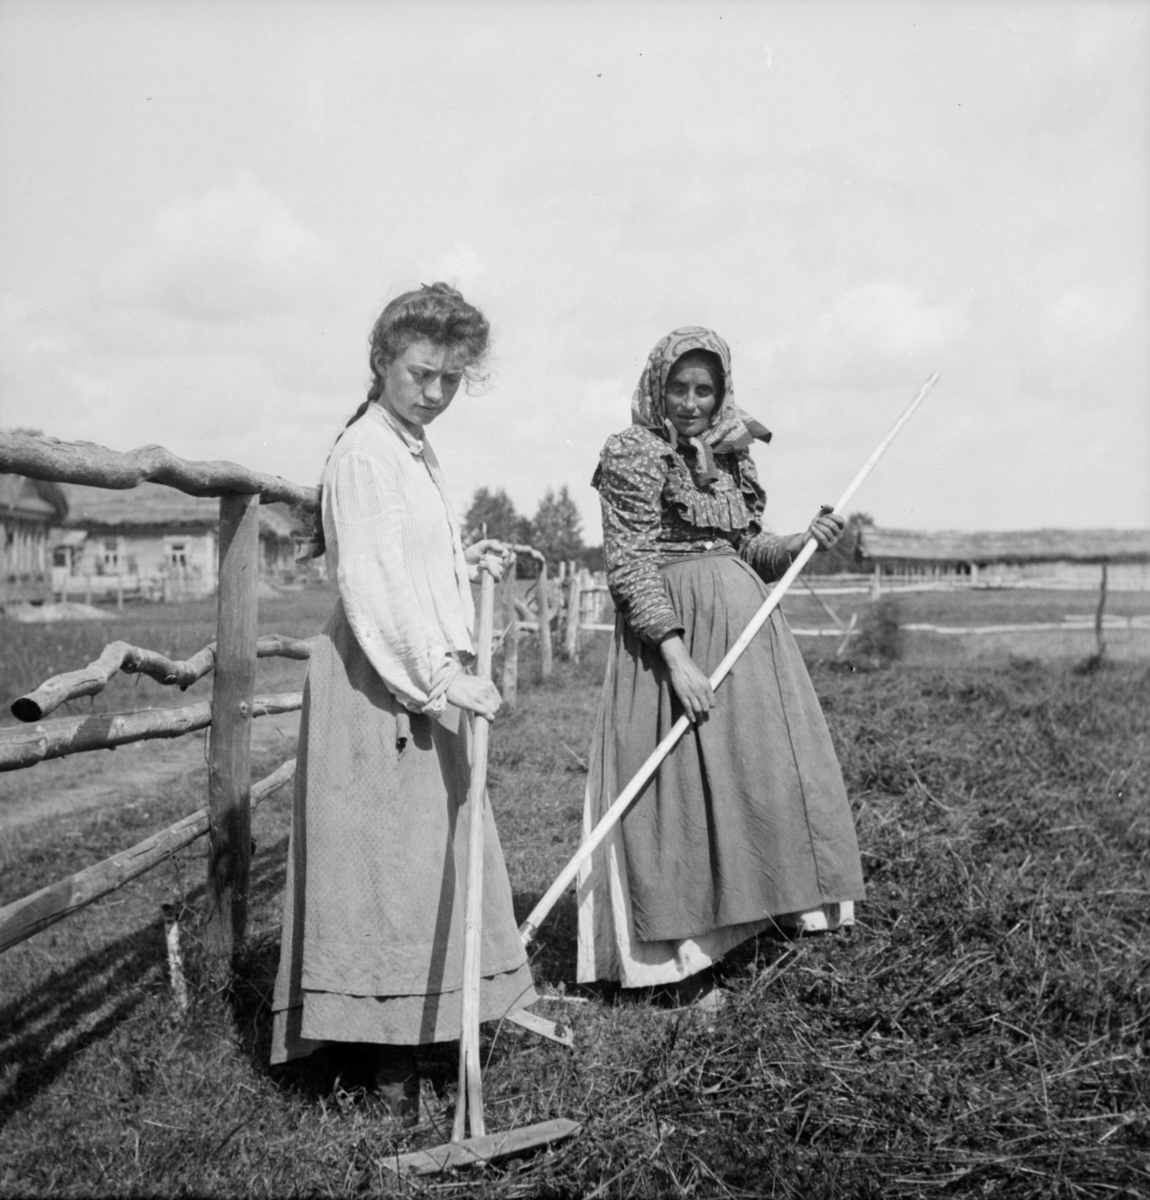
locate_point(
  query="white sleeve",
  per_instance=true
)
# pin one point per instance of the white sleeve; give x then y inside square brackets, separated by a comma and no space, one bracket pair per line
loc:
[409,654]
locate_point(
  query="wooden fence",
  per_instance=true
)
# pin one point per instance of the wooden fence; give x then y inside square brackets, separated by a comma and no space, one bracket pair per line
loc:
[232,657]
[574,602]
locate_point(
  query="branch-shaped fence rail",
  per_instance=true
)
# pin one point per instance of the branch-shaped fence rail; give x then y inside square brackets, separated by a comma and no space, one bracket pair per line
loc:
[48,458]
[25,747]
[132,660]
[22,918]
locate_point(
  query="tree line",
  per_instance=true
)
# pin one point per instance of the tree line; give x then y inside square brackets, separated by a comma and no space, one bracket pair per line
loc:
[556,529]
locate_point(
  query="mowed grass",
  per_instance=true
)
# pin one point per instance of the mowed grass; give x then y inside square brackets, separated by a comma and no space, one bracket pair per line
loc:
[983,1032]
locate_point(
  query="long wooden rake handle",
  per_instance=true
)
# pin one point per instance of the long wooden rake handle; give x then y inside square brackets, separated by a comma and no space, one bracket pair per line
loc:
[538,914]
[469,1102]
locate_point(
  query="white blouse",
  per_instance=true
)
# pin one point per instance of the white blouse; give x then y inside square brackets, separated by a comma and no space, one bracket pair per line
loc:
[395,552]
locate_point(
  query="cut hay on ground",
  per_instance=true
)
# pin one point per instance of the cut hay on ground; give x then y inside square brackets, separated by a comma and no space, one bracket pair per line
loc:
[983,1033]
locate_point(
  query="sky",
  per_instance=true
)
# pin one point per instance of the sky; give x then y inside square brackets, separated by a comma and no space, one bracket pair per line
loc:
[205,203]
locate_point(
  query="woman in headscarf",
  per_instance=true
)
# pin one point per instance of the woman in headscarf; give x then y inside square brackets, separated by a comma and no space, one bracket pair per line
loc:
[372,952]
[746,823]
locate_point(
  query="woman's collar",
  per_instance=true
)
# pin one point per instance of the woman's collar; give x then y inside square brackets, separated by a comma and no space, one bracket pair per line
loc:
[409,439]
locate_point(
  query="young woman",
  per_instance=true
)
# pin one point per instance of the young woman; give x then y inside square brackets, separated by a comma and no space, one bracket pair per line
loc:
[372,947]
[746,823]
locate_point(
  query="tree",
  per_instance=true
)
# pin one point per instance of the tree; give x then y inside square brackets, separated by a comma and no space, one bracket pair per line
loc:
[524,531]
[594,558]
[492,515]
[557,527]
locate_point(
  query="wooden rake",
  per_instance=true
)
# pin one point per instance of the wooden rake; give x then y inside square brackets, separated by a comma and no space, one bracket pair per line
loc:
[481,1146]
[614,814]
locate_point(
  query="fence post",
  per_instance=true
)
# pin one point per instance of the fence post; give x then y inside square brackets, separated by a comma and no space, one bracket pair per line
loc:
[510,680]
[542,594]
[1101,610]
[229,763]
[574,603]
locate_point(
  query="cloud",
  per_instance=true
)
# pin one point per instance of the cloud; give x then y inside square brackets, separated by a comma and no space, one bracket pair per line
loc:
[867,336]
[235,252]
[458,265]
[1092,316]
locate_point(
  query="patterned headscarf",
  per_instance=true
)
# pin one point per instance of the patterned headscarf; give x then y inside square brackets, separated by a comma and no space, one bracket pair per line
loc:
[730,428]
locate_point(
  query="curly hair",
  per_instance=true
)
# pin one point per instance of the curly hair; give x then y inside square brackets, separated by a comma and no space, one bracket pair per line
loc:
[434,312]
[437,313]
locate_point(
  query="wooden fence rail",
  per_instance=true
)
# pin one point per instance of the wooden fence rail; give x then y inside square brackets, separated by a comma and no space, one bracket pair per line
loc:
[22,918]
[132,660]
[48,458]
[28,745]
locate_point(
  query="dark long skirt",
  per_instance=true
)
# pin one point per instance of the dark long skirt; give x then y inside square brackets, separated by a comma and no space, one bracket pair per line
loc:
[747,820]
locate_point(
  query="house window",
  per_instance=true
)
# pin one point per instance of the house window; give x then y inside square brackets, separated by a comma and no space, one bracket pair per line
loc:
[111,554]
[178,555]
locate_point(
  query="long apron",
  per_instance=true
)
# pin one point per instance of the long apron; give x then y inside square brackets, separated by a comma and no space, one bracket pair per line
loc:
[372,944]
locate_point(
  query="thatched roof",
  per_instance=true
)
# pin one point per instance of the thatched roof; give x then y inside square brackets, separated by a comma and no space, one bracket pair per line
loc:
[151,506]
[36,499]
[1022,546]
[145,506]
[275,521]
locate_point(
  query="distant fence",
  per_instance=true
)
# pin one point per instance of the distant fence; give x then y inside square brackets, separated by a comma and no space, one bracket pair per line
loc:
[575,600]
[65,587]
[855,584]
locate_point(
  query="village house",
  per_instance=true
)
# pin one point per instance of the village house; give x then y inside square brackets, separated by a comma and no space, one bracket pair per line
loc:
[29,510]
[1038,557]
[154,542]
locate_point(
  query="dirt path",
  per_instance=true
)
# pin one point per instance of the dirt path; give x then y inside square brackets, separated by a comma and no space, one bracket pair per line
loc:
[123,776]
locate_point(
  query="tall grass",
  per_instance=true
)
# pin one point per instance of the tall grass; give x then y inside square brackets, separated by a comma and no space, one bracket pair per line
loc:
[32,653]
[983,1032]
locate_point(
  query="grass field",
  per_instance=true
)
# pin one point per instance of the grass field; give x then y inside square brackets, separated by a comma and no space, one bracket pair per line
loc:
[984,1031]
[31,653]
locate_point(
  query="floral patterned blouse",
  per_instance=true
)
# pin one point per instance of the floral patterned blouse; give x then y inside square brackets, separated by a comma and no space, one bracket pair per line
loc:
[654,512]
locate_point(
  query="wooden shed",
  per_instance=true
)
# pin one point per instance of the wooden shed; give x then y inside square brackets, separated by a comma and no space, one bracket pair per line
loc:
[152,541]
[1053,557]
[29,510]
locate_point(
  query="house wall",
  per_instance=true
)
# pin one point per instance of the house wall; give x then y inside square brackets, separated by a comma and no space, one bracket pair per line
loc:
[157,564]
[277,558]
[24,571]
[24,546]
[929,572]
[184,559]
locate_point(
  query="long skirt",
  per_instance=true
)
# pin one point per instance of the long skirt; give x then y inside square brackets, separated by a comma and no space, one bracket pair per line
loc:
[745,824]
[372,946]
